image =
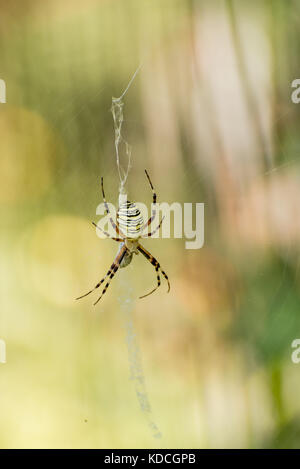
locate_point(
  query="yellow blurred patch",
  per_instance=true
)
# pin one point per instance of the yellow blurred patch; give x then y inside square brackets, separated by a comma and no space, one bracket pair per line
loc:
[66,258]
[28,152]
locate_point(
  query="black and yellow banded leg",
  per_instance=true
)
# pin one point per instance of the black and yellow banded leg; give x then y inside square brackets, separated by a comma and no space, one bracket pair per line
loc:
[156,264]
[148,235]
[154,202]
[158,283]
[106,233]
[115,227]
[112,271]
[151,185]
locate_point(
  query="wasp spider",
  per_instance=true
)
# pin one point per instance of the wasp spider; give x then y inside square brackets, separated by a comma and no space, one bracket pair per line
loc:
[129,220]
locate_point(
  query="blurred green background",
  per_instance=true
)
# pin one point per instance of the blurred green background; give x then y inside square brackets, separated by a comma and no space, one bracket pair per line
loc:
[210,115]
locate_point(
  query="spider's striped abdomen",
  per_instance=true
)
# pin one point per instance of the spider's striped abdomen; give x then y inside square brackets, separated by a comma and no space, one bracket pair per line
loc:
[130,219]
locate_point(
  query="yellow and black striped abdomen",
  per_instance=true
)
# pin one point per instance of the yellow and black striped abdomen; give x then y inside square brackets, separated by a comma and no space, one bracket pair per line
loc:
[130,219]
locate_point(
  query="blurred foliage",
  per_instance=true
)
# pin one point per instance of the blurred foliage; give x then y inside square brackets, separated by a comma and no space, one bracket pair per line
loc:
[210,116]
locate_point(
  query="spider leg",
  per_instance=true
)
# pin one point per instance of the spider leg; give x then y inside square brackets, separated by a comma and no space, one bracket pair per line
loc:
[151,185]
[158,283]
[106,233]
[154,202]
[157,266]
[114,225]
[112,271]
[117,262]
[97,286]
[148,235]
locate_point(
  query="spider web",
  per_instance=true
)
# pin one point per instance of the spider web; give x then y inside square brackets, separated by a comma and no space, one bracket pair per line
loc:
[126,296]
[118,117]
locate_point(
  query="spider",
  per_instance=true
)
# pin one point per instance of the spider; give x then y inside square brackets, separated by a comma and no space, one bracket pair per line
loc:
[130,219]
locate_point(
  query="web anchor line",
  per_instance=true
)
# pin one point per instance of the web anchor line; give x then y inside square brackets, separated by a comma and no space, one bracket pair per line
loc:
[118,118]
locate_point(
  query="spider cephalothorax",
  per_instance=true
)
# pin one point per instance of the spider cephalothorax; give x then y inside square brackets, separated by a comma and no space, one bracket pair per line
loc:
[129,227]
